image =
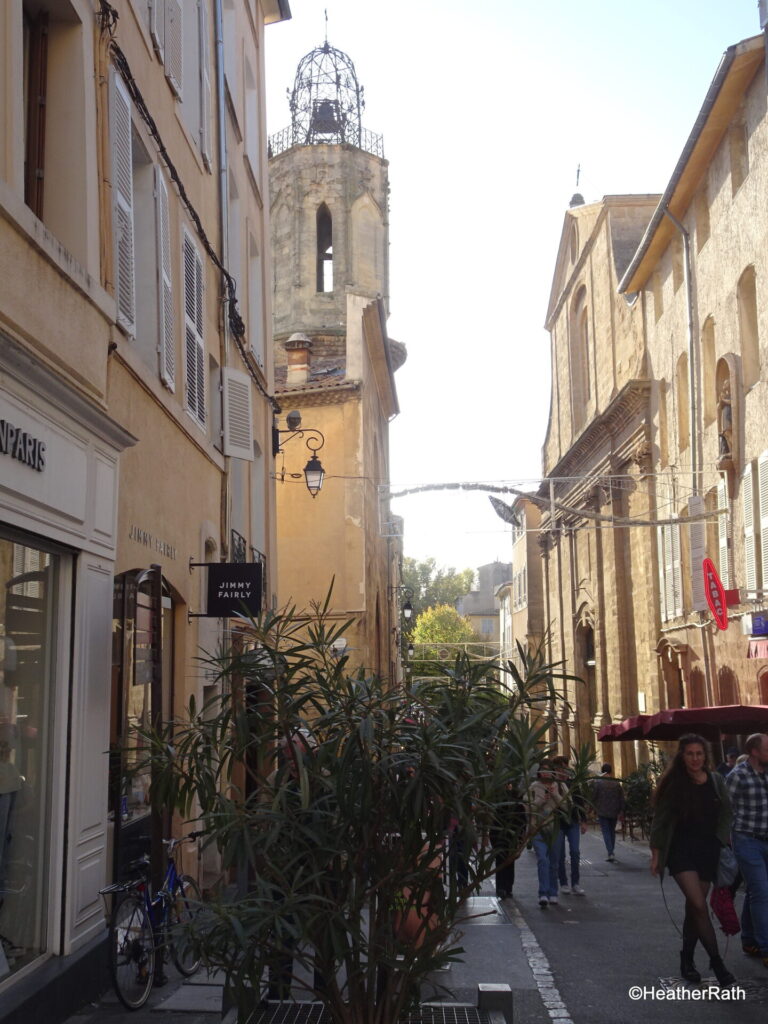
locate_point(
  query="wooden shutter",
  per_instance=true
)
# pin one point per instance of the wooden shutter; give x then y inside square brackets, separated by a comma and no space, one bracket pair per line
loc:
[167,340]
[762,490]
[193,331]
[122,189]
[722,535]
[238,417]
[750,547]
[697,543]
[174,40]
[661,543]
[677,578]
[157,26]
[205,88]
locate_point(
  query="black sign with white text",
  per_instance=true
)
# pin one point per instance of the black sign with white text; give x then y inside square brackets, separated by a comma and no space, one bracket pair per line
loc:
[231,586]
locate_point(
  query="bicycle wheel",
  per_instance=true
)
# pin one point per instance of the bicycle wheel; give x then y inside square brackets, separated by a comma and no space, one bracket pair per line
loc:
[132,952]
[182,913]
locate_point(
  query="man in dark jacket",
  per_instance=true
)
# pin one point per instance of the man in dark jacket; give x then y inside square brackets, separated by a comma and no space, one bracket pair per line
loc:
[608,801]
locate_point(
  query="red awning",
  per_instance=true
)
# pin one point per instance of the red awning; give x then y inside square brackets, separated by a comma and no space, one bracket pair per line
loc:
[673,723]
[758,649]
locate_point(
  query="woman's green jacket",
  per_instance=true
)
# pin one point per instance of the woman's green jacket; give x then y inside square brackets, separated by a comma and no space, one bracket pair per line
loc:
[665,820]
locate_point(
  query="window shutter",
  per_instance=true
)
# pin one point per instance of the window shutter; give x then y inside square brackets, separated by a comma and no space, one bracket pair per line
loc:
[122,188]
[205,89]
[173,45]
[677,580]
[697,541]
[661,537]
[157,25]
[167,346]
[193,331]
[762,486]
[750,552]
[238,417]
[722,535]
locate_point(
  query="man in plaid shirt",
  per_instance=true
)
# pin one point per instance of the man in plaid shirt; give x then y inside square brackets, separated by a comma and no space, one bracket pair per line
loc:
[748,789]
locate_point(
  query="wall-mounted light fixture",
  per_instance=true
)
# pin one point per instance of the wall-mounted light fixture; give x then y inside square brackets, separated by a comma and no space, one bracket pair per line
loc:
[314,474]
[407,606]
[409,650]
[339,648]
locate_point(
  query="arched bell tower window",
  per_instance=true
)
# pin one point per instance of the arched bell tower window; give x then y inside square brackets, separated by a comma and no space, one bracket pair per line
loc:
[324,249]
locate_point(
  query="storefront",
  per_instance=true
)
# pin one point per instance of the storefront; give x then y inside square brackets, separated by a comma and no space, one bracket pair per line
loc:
[58,498]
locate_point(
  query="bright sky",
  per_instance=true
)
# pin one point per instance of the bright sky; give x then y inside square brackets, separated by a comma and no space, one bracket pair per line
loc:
[487,109]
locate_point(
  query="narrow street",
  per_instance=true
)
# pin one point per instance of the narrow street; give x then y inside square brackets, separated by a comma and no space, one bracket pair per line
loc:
[574,962]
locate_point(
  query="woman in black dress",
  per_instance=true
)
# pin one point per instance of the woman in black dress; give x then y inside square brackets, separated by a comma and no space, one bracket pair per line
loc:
[691,824]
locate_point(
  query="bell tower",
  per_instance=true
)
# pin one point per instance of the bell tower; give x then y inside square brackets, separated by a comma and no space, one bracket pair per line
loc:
[329,194]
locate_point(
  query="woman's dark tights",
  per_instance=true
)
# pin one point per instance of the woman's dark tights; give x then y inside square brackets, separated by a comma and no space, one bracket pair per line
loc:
[697,924]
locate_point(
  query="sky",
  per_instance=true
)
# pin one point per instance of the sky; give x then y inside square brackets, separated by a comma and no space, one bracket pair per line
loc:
[488,111]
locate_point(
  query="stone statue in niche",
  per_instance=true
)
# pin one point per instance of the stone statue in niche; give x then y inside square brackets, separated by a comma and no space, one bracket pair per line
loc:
[725,420]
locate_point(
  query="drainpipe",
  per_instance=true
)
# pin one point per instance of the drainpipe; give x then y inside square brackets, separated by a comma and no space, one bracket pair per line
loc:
[224,230]
[693,361]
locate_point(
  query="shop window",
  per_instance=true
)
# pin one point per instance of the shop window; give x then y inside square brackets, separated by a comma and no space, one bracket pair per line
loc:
[142,695]
[28,616]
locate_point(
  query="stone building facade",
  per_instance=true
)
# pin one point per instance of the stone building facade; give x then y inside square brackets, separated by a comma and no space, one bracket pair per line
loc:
[334,361]
[135,430]
[659,375]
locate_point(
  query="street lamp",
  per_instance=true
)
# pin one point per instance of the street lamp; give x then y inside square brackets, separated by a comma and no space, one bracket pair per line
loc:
[407,608]
[410,650]
[314,473]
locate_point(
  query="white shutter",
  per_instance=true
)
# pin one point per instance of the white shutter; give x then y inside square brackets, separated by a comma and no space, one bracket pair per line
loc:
[157,25]
[722,535]
[238,417]
[697,543]
[205,88]
[167,345]
[677,578]
[750,553]
[661,552]
[194,346]
[762,487]
[122,190]
[173,45]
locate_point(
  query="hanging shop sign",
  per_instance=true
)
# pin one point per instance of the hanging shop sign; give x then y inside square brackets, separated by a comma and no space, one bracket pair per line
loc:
[234,588]
[20,445]
[715,593]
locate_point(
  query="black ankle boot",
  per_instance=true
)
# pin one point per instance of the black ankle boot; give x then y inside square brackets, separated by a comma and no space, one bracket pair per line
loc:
[723,975]
[687,969]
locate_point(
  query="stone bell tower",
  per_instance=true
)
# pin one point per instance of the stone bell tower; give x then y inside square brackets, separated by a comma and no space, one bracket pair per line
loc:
[329,205]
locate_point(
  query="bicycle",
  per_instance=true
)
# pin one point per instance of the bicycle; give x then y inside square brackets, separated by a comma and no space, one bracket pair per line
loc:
[143,925]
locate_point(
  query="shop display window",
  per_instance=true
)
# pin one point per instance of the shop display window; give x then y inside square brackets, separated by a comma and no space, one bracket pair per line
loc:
[28,598]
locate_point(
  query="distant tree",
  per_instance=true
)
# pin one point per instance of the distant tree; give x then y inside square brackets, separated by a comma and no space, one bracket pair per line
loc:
[433,585]
[443,625]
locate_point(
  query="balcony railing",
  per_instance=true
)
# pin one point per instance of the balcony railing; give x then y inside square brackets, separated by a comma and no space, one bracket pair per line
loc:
[289,137]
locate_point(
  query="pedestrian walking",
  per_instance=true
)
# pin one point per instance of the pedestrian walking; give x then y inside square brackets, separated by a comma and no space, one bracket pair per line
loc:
[691,824]
[608,801]
[547,796]
[747,785]
[725,767]
[573,822]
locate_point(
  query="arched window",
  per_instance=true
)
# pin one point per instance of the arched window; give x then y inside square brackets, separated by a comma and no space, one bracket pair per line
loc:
[324,249]
[683,405]
[708,365]
[750,342]
[762,683]
[727,685]
[579,352]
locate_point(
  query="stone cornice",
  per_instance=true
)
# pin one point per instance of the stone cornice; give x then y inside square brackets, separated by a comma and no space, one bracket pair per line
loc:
[618,425]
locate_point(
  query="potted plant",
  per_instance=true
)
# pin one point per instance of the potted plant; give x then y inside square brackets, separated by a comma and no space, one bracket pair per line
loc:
[337,799]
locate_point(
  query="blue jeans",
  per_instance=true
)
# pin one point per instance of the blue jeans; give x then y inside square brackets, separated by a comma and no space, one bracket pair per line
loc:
[752,855]
[547,862]
[571,833]
[608,828]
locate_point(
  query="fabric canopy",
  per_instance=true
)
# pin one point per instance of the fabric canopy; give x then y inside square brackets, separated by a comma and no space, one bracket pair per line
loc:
[673,723]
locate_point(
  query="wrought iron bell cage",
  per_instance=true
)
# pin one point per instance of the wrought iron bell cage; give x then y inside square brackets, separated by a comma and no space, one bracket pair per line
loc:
[327,100]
